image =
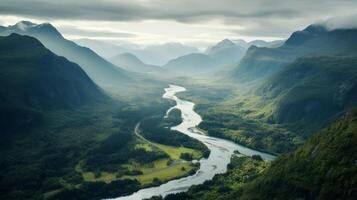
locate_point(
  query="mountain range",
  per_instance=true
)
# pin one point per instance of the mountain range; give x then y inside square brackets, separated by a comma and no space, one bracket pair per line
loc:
[223,55]
[226,52]
[259,43]
[177,57]
[215,58]
[100,70]
[301,92]
[158,54]
[306,82]
[315,40]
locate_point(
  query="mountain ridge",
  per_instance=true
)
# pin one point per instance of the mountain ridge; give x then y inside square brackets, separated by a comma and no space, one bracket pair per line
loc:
[260,62]
[33,79]
[132,63]
[191,63]
[99,69]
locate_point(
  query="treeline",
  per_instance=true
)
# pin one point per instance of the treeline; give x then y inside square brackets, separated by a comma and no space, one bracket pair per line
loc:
[98,190]
[249,133]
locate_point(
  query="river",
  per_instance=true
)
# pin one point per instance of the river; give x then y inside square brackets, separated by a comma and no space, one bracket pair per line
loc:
[216,163]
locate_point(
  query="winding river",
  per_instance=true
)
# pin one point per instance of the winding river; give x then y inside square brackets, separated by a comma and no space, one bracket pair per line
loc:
[216,163]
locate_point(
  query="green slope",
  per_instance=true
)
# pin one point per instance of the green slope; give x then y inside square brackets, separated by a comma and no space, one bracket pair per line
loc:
[33,79]
[324,168]
[311,91]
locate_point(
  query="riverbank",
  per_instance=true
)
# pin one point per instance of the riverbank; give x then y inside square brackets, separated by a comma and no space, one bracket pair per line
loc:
[216,163]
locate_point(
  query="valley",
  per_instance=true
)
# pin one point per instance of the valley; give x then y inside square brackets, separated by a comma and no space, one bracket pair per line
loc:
[102,117]
[217,161]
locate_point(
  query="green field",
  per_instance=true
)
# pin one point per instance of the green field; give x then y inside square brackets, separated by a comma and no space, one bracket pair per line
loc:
[162,171]
[159,170]
[175,152]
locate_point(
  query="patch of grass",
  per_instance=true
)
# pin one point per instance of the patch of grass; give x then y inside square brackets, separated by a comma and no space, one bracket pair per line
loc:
[158,170]
[147,147]
[162,171]
[175,152]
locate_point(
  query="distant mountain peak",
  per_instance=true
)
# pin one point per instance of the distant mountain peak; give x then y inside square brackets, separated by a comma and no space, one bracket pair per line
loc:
[24,25]
[131,62]
[33,76]
[99,69]
[299,37]
[315,28]
[129,56]
[224,44]
[252,47]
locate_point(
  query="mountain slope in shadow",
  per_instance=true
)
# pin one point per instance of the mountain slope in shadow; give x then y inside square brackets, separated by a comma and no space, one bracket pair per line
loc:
[33,80]
[100,70]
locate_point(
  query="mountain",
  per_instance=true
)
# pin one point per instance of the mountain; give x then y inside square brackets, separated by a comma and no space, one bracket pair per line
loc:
[259,43]
[130,62]
[153,54]
[162,53]
[323,168]
[33,79]
[191,63]
[263,43]
[100,70]
[104,49]
[311,91]
[226,52]
[315,40]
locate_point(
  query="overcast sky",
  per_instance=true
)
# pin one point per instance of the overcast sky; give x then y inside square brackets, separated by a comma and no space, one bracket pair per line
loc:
[194,22]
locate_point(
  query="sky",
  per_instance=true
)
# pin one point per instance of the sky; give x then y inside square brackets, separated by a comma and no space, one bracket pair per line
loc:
[193,22]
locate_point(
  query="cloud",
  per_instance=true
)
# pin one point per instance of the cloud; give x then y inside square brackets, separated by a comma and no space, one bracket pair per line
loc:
[180,10]
[345,22]
[255,18]
[73,30]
